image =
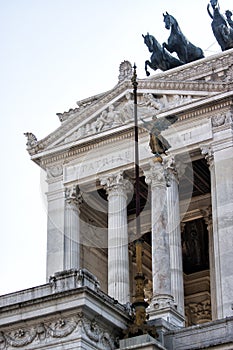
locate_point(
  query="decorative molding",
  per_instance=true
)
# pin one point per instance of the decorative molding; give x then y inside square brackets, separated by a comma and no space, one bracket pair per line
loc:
[222,119]
[125,70]
[218,119]
[199,312]
[143,84]
[73,195]
[72,279]
[55,171]
[60,327]
[156,175]
[228,78]
[207,151]
[31,140]
[197,70]
[116,184]
[170,169]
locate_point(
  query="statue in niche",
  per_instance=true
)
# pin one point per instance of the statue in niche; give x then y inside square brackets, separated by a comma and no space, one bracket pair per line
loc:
[228,16]
[222,32]
[158,144]
[195,246]
[160,58]
[177,42]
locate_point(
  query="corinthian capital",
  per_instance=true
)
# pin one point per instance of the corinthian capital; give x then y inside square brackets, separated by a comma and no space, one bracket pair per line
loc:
[207,151]
[73,195]
[156,175]
[170,167]
[116,183]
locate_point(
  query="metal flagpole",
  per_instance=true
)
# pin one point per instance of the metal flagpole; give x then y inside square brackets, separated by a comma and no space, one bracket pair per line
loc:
[139,325]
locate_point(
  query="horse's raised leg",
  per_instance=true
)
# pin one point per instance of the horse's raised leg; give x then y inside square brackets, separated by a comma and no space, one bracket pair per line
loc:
[147,63]
[167,47]
[152,66]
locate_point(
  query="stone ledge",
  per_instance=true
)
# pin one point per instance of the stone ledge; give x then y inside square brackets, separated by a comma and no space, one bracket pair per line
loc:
[204,336]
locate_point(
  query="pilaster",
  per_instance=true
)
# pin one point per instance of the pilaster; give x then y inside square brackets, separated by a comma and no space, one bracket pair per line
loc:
[55,220]
[73,199]
[220,160]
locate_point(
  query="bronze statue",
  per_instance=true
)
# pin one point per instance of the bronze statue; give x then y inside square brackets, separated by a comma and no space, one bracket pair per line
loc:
[160,58]
[177,42]
[158,143]
[228,16]
[222,32]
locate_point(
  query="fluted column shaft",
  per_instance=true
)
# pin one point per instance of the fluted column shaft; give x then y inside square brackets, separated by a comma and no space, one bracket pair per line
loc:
[207,215]
[161,275]
[173,229]
[72,229]
[118,255]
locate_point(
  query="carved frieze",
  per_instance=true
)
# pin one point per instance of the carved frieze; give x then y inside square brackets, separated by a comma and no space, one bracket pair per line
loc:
[197,313]
[55,171]
[207,151]
[61,327]
[229,75]
[220,119]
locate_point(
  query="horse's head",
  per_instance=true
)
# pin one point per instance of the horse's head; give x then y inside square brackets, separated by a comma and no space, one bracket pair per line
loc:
[169,20]
[149,41]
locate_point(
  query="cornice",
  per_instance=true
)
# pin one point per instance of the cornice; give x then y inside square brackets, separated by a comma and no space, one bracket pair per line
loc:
[69,151]
[198,69]
[78,149]
[203,88]
[178,80]
[206,108]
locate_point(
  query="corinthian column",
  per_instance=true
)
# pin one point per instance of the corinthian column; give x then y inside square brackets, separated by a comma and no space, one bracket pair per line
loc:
[162,305]
[72,228]
[173,229]
[118,257]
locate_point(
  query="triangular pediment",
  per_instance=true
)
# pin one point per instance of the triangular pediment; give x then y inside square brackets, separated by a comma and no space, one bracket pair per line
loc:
[120,113]
[108,112]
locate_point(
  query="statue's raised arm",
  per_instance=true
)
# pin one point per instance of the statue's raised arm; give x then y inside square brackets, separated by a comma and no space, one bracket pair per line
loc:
[208,10]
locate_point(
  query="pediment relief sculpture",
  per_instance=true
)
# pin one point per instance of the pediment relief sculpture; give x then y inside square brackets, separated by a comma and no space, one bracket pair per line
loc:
[122,113]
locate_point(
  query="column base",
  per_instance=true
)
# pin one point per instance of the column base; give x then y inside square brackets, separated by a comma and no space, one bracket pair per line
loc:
[163,306]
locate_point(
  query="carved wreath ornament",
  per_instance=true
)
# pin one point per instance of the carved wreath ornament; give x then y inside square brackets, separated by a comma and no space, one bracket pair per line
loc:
[57,329]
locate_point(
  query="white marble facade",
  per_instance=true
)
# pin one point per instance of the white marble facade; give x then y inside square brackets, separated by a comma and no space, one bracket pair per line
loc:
[89,161]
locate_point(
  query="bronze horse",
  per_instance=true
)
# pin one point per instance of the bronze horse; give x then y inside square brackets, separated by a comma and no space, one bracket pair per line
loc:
[177,42]
[160,58]
[222,32]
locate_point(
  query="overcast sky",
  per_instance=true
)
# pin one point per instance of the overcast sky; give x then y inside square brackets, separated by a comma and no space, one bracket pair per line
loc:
[53,53]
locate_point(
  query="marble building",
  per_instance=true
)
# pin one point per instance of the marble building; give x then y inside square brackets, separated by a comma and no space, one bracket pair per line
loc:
[186,206]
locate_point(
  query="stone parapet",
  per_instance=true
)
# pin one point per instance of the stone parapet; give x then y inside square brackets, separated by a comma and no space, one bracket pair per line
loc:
[69,310]
[212,335]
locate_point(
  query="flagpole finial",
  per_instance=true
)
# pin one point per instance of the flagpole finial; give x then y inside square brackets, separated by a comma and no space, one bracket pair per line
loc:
[134,77]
